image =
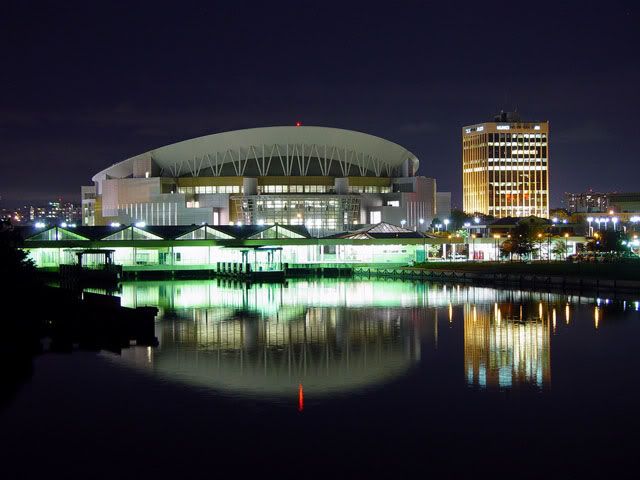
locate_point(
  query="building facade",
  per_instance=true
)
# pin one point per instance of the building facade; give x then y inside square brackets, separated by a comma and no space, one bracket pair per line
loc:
[586,202]
[325,179]
[505,167]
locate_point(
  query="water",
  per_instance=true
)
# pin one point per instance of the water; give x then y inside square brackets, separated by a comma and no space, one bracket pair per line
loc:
[335,378]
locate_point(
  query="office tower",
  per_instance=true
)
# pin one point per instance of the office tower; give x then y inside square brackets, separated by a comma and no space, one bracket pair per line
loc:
[505,167]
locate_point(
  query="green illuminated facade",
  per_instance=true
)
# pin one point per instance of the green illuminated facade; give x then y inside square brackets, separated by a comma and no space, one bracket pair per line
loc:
[139,248]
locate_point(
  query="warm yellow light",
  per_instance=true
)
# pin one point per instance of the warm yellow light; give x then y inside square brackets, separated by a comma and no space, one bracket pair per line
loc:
[596,316]
[496,236]
[450,313]
[566,235]
[566,313]
[611,212]
[539,235]
[473,235]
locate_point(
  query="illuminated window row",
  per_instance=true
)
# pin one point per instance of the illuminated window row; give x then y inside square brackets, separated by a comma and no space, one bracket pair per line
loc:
[210,189]
[517,167]
[519,160]
[295,188]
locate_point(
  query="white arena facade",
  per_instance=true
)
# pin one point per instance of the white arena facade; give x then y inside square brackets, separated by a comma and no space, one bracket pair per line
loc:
[327,179]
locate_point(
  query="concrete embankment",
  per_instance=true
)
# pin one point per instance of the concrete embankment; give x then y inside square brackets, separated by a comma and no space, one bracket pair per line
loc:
[515,280]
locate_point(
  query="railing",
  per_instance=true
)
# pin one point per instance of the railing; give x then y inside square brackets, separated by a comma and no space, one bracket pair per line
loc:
[529,280]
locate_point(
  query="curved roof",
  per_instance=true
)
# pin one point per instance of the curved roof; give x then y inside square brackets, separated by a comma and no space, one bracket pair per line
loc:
[360,150]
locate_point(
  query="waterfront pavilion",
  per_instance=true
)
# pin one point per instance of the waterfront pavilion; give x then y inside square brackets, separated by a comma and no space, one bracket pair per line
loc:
[202,247]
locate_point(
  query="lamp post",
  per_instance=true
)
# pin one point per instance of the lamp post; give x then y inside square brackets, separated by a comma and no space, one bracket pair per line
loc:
[403,222]
[614,220]
[446,224]
[473,244]
[424,246]
[496,237]
[589,220]
[421,224]
[566,245]
[539,246]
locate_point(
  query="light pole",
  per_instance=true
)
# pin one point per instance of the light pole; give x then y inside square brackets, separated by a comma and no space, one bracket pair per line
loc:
[424,246]
[539,246]
[614,220]
[566,245]
[473,244]
[496,237]
[421,224]
[403,222]
[589,220]
[446,224]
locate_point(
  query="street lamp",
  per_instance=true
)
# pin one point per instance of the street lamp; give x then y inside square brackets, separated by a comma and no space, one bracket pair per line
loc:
[402,223]
[540,246]
[496,237]
[614,220]
[473,245]
[566,245]
[446,223]
[421,224]
[590,219]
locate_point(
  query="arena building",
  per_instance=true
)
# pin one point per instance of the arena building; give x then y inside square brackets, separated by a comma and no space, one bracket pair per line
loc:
[326,179]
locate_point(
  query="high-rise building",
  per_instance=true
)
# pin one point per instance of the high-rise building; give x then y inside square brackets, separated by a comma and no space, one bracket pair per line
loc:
[586,202]
[505,167]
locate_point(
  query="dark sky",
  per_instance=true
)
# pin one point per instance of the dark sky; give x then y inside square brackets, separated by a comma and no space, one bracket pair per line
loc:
[84,86]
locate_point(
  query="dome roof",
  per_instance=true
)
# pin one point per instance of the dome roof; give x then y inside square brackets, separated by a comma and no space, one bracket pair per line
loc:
[295,149]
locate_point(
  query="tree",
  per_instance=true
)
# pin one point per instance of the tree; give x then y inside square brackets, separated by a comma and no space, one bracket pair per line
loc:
[559,249]
[508,249]
[14,263]
[522,239]
[608,241]
[458,219]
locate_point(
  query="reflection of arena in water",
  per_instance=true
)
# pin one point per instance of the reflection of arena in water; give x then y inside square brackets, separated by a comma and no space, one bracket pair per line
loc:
[266,299]
[336,335]
[503,347]
[327,349]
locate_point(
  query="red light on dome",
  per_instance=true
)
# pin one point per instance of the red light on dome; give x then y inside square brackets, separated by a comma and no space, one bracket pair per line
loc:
[298,124]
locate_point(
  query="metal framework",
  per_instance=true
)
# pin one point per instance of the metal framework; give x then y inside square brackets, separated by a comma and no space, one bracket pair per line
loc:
[293,159]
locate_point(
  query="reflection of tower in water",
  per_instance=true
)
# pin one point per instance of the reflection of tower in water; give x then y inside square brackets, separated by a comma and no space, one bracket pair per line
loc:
[507,345]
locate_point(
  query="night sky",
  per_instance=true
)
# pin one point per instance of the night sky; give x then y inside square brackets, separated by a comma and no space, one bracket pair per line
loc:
[83,86]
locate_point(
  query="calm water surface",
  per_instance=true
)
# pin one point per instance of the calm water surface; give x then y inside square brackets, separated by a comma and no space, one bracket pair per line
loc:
[340,378]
